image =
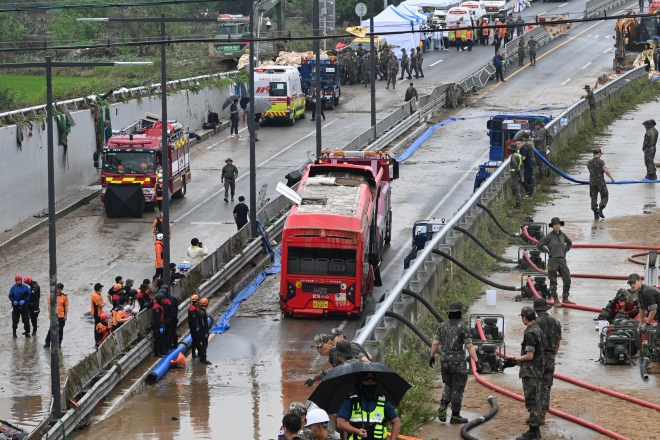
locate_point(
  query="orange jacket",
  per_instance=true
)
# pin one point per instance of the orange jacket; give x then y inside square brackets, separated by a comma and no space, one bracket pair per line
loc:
[97,301]
[468,34]
[158,245]
[502,31]
[485,30]
[103,330]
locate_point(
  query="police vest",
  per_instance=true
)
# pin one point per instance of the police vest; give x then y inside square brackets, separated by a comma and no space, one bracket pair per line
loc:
[517,165]
[373,422]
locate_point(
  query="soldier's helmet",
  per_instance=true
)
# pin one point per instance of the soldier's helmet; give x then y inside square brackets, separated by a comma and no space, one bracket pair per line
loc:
[298,408]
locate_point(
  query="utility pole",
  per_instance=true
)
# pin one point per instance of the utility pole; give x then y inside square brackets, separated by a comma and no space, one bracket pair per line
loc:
[253,153]
[317,52]
[373,67]
[52,236]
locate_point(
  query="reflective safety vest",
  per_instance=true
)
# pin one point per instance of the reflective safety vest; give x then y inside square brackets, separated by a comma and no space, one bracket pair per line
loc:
[373,422]
[515,166]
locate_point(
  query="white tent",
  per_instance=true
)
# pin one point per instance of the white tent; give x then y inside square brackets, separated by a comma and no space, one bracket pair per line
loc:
[412,12]
[438,4]
[392,20]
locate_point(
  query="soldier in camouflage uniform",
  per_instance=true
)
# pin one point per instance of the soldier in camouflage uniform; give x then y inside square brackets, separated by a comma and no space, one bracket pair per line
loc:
[532,45]
[648,147]
[355,64]
[541,144]
[517,176]
[392,71]
[384,60]
[531,363]
[299,409]
[360,50]
[419,57]
[451,337]
[551,329]
[591,100]
[597,171]
[405,63]
[557,244]
[366,69]
[623,305]
[648,300]
[521,51]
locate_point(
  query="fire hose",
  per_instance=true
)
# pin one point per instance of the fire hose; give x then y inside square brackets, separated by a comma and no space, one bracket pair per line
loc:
[497,222]
[474,274]
[578,275]
[530,284]
[598,245]
[479,420]
[585,384]
[632,259]
[423,300]
[483,246]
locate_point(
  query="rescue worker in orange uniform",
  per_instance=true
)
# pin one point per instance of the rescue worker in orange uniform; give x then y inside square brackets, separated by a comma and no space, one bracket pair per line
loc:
[102,329]
[158,325]
[119,315]
[193,324]
[468,37]
[117,291]
[203,331]
[484,32]
[62,313]
[159,193]
[158,246]
[97,302]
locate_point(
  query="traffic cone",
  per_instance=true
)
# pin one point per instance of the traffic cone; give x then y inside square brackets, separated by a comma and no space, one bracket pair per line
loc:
[179,362]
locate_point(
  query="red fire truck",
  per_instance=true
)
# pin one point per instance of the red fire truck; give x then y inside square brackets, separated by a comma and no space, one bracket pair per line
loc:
[134,156]
[333,241]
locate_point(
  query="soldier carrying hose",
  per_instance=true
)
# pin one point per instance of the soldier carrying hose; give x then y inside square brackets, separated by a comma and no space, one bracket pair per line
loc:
[556,244]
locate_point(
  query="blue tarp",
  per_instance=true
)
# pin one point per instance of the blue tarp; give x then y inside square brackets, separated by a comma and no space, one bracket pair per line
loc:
[223,322]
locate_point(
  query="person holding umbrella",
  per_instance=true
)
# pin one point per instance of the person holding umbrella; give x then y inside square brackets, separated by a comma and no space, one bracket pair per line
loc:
[451,336]
[364,413]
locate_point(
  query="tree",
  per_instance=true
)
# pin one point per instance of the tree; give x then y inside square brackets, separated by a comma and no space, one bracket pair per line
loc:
[10,30]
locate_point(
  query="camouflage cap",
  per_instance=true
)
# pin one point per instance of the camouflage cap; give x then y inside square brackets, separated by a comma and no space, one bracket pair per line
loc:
[297,408]
[528,312]
[633,278]
[456,306]
[321,339]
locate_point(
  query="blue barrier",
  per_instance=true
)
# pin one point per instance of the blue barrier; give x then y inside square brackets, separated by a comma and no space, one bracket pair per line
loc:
[223,322]
[586,182]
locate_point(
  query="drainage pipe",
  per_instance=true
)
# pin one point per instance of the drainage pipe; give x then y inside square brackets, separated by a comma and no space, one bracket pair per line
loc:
[497,222]
[553,411]
[568,306]
[642,368]
[586,384]
[476,275]
[423,300]
[479,420]
[483,246]
[411,326]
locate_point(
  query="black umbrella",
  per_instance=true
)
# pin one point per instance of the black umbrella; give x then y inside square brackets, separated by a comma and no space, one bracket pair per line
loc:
[229,101]
[342,381]
[261,105]
[519,134]
[123,201]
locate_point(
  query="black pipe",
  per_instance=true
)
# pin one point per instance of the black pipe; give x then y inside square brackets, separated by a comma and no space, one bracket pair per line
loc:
[497,222]
[411,326]
[476,275]
[421,299]
[642,368]
[483,246]
[479,420]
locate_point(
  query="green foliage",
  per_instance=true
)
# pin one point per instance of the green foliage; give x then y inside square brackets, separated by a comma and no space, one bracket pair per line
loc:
[69,31]
[10,30]
[10,98]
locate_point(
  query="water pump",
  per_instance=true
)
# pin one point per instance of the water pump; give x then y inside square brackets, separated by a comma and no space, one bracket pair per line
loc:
[490,350]
[535,255]
[618,342]
[539,282]
[534,230]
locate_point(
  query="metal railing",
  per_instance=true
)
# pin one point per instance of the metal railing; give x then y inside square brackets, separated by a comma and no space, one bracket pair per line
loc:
[593,8]
[377,319]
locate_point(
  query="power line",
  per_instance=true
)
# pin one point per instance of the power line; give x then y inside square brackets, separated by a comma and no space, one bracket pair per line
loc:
[109,5]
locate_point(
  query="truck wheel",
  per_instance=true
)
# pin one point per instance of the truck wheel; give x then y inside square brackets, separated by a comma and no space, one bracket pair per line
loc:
[302,115]
[388,229]
[337,100]
[292,121]
[182,192]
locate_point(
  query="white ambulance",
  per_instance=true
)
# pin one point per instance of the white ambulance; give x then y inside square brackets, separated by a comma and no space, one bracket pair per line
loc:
[281,86]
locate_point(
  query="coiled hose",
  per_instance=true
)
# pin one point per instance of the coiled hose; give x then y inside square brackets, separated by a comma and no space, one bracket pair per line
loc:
[497,222]
[577,275]
[483,246]
[427,304]
[479,420]
[476,275]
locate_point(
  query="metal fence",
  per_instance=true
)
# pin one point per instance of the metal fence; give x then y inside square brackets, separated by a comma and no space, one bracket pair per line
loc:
[565,125]
[593,8]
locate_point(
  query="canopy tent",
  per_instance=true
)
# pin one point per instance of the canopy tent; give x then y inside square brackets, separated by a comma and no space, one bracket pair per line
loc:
[438,4]
[393,20]
[402,8]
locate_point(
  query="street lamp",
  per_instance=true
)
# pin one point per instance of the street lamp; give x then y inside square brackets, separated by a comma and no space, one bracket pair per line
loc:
[54,324]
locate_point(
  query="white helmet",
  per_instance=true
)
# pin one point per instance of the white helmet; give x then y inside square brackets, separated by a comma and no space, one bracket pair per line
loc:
[317,415]
[159,236]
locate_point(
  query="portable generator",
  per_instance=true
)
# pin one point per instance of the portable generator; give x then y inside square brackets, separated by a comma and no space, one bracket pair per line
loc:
[535,230]
[537,257]
[539,282]
[489,351]
[618,342]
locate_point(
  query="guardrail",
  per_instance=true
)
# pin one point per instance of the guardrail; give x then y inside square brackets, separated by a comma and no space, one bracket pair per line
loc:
[119,95]
[593,8]
[558,125]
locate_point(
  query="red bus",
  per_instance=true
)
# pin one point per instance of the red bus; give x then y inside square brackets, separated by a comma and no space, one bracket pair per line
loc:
[333,241]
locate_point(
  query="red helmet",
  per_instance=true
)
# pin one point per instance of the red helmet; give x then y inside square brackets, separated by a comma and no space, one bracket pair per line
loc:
[18,277]
[103,316]
[27,280]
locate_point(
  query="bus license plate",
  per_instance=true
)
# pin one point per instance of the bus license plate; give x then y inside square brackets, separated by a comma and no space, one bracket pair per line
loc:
[320,304]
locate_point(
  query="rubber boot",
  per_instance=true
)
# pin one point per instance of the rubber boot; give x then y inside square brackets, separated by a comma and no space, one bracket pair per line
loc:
[456,419]
[529,435]
[600,213]
[204,361]
[556,300]
[194,354]
[565,300]
[15,336]
[596,217]
[543,417]
[442,412]
[34,330]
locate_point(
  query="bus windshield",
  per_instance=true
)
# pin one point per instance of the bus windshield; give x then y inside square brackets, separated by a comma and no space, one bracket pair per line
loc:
[128,162]
[321,261]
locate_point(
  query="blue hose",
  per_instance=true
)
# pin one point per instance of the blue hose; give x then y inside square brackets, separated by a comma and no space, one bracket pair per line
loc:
[586,182]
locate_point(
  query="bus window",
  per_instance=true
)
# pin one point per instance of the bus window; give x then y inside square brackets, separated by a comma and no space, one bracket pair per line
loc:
[321,261]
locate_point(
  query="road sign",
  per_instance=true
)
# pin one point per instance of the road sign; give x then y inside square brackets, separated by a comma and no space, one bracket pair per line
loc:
[360,10]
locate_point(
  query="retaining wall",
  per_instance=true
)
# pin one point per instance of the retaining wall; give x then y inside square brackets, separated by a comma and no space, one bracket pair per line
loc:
[24,169]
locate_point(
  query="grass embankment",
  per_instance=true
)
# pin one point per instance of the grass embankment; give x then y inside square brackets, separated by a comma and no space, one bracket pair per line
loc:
[418,406]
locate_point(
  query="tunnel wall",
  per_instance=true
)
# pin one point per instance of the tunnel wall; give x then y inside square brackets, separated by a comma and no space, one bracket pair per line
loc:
[24,168]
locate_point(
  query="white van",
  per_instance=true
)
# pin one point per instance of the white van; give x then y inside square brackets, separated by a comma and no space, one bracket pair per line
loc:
[459,17]
[439,16]
[477,7]
[281,86]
